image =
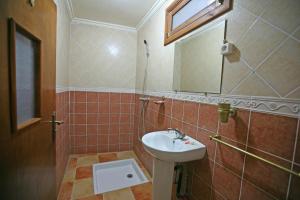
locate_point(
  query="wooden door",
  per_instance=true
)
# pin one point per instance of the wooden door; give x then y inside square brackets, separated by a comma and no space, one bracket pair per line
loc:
[27,157]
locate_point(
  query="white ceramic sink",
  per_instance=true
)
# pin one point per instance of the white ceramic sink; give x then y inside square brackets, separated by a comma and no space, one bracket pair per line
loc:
[161,145]
[166,151]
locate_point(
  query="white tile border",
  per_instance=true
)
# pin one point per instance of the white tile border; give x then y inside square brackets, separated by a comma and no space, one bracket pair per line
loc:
[279,106]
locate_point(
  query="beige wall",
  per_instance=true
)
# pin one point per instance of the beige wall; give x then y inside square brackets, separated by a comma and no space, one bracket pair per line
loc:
[266,63]
[160,71]
[102,57]
[62,44]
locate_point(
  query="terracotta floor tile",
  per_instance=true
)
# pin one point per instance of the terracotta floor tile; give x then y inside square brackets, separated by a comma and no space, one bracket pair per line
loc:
[72,163]
[82,188]
[78,184]
[107,157]
[142,192]
[65,191]
[87,160]
[69,175]
[124,194]
[93,197]
[84,172]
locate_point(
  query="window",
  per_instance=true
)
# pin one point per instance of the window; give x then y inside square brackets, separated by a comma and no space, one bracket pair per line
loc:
[25,77]
[184,16]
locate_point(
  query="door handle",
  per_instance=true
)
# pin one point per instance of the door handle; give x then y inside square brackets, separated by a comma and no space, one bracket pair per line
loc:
[54,122]
[57,122]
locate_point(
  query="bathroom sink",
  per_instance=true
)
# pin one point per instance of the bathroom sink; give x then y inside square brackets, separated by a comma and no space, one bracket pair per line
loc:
[166,151]
[161,145]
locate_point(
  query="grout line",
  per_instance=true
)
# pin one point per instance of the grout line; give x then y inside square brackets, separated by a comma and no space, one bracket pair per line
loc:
[214,162]
[268,84]
[291,92]
[276,48]
[246,146]
[241,81]
[293,159]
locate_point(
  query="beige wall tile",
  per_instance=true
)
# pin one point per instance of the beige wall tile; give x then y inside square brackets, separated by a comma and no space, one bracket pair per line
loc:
[102,57]
[259,42]
[160,69]
[284,14]
[295,94]
[233,73]
[254,86]
[282,69]
[239,21]
[62,45]
[297,34]
[254,6]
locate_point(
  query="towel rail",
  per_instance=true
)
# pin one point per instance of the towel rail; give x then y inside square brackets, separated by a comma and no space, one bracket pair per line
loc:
[217,138]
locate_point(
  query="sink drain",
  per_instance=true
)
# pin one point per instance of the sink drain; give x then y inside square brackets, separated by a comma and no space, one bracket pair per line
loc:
[129,175]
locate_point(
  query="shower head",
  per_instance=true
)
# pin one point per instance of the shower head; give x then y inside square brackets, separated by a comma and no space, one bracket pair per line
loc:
[147,48]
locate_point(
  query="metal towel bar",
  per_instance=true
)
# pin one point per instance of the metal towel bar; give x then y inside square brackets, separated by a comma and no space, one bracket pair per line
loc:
[217,138]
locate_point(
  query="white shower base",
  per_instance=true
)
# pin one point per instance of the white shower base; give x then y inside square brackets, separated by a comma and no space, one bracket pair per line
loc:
[110,176]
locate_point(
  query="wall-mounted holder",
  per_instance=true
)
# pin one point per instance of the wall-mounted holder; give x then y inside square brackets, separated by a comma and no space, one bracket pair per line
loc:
[144,99]
[225,111]
[160,102]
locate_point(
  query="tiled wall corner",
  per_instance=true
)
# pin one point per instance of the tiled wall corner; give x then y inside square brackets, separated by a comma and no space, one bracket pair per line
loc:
[101,121]
[62,135]
[225,173]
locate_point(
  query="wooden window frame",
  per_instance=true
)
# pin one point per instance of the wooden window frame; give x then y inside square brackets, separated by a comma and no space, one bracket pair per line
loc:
[204,16]
[13,28]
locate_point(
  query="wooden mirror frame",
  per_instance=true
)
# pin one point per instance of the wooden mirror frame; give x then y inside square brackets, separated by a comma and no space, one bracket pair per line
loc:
[199,19]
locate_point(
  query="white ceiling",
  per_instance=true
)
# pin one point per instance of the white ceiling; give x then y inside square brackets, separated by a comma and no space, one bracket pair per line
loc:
[121,12]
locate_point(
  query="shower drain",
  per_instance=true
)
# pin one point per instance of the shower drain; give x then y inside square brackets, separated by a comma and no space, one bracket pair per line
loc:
[129,175]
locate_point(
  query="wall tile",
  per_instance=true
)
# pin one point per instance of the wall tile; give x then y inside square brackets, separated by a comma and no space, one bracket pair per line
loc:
[273,134]
[80,96]
[297,153]
[177,110]
[230,158]
[255,6]
[190,113]
[208,117]
[237,127]
[265,176]
[288,20]
[231,189]
[200,190]
[250,192]
[252,85]
[282,70]
[295,185]
[258,42]
[203,137]
[92,97]
[204,169]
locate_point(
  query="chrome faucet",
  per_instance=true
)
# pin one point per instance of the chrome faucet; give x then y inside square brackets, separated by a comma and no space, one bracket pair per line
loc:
[178,133]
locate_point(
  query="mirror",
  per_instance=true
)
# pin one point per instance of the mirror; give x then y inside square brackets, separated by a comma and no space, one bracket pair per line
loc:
[198,61]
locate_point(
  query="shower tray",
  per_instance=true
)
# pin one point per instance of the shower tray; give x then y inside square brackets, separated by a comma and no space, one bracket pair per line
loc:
[115,175]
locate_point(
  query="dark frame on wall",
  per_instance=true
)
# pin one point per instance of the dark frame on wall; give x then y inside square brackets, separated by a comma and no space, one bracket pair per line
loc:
[14,28]
[202,17]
